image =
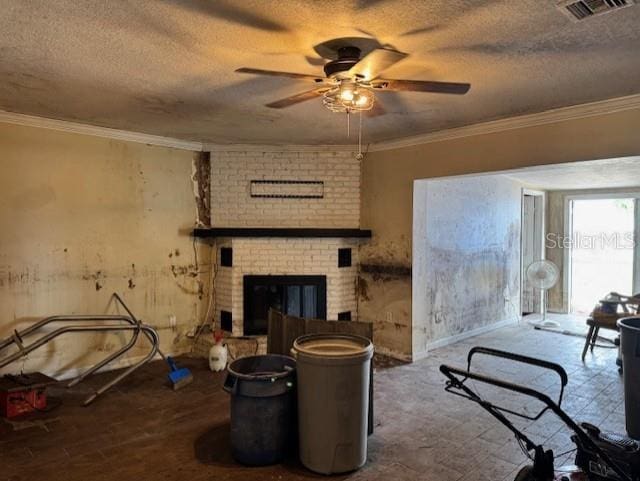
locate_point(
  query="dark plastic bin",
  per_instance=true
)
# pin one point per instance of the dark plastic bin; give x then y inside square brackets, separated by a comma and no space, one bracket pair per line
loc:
[630,350]
[263,408]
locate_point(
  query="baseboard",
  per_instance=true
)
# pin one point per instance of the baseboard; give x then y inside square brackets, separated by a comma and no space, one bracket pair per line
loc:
[419,356]
[392,354]
[461,337]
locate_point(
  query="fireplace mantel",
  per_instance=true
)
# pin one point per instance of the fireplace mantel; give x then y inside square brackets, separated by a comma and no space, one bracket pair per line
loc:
[293,232]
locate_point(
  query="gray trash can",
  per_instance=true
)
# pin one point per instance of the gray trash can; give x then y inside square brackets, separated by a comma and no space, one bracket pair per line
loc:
[333,401]
[263,402]
[630,348]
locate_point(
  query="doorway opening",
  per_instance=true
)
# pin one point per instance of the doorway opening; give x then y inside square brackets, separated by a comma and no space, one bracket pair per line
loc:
[532,248]
[601,252]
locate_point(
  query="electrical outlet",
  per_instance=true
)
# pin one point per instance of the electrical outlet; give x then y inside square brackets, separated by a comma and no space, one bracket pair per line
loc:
[389,316]
[173,322]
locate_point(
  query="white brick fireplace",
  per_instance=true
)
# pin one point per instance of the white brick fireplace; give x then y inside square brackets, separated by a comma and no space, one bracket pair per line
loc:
[285,214]
[286,257]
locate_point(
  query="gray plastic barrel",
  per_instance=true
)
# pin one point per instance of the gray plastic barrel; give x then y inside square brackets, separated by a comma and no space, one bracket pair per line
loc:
[333,401]
[630,348]
[263,414]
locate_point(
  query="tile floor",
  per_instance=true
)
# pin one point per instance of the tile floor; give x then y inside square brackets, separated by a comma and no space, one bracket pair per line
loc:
[144,431]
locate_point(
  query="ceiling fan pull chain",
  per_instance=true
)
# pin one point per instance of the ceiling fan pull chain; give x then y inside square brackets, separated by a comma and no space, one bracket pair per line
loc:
[360,136]
[348,125]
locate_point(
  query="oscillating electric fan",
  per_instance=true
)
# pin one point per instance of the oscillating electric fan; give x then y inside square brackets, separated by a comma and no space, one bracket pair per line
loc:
[543,275]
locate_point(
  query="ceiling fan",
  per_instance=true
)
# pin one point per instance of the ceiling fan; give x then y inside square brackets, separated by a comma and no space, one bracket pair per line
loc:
[352,75]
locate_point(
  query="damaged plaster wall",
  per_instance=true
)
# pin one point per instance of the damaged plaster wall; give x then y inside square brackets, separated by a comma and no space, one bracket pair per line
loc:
[387,196]
[466,257]
[383,281]
[82,217]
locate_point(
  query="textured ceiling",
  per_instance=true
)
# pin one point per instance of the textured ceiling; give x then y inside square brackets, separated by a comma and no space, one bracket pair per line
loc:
[596,174]
[166,67]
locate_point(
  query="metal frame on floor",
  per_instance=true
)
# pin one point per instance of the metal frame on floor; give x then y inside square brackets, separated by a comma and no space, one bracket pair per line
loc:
[103,323]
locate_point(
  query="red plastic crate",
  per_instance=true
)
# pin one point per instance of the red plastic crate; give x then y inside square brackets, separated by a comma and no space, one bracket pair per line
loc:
[23,394]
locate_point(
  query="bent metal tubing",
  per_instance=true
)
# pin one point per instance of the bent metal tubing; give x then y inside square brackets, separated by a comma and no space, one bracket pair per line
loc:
[62,318]
[16,338]
[152,335]
[148,330]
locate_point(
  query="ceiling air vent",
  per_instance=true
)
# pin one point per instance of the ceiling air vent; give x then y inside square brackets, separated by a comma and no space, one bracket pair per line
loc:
[588,8]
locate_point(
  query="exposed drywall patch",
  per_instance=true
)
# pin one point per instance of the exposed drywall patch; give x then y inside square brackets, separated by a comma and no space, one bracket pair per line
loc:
[201,178]
[362,289]
[384,276]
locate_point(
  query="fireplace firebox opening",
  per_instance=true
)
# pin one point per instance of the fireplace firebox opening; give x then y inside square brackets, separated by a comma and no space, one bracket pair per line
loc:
[301,296]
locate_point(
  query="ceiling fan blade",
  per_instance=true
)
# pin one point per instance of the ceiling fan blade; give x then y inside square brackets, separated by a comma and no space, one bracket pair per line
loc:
[274,73]
[421,30]
[363,4]
[422,86]
[296,99]
[372,64]
[231,13]
[315,61]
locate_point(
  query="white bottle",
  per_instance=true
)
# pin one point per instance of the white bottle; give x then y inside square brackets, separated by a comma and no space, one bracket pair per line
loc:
[218,353]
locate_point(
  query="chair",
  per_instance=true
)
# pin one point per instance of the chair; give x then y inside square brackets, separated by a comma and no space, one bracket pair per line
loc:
[606,314]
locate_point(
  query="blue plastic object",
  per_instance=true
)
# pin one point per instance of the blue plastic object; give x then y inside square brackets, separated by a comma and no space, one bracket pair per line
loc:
[178,376]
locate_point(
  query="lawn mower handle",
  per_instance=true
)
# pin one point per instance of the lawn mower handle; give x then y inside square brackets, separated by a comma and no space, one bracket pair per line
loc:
[564,379]
[452,374]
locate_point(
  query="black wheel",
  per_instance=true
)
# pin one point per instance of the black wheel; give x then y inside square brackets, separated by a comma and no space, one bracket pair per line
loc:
[525,474]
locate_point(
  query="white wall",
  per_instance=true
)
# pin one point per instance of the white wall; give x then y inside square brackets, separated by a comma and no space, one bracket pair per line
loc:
[232,205]
[466,257]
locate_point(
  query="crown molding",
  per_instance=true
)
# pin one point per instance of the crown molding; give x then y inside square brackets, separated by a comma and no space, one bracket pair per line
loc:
[574,112]
[77,128]
[277,148]
[562,114]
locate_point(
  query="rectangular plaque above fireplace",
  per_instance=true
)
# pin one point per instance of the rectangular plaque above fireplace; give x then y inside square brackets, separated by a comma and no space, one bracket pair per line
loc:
[301,296]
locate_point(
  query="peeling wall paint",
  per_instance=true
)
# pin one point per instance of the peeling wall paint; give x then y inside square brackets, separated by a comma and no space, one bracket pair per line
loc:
[469,248]
[82,217]
[202,187]
[383,281]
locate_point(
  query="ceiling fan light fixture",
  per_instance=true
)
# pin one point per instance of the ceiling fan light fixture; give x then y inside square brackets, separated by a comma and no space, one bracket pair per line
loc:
[349,96]
[347,92]
[365,99]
